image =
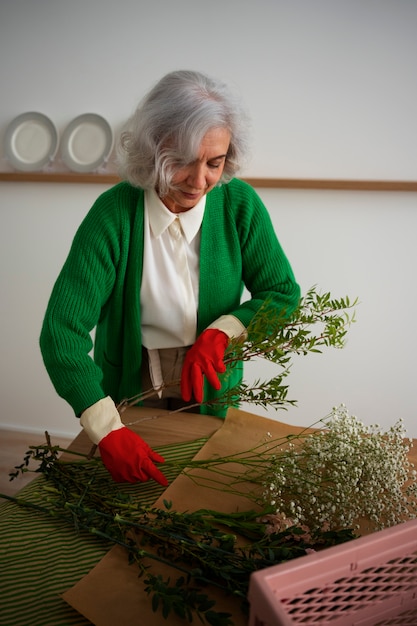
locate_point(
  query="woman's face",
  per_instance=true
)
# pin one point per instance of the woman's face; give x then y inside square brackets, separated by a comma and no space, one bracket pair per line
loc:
[193,181]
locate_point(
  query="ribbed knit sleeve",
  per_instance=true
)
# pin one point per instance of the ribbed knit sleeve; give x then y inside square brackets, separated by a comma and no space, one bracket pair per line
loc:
[90,275]
[240,248]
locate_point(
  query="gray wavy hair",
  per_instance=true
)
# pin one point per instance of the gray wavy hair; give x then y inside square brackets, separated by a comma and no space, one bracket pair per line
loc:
[167,128]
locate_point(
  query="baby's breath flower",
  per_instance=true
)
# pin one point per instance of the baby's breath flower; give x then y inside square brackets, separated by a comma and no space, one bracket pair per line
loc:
[343,473]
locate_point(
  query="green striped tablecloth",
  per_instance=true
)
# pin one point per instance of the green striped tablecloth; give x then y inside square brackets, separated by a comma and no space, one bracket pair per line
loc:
[41,557]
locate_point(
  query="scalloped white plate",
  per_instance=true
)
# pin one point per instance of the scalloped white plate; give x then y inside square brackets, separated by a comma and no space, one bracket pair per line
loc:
[30,141]
[86,143]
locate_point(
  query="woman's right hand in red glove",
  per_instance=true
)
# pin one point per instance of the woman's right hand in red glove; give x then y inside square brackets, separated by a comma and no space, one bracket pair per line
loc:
[126,456]
[129,459]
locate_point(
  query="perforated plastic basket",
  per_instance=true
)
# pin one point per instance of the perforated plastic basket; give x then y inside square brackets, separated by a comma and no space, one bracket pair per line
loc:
[367,581]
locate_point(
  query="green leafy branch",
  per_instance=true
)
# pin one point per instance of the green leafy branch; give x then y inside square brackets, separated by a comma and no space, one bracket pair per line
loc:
[319,322]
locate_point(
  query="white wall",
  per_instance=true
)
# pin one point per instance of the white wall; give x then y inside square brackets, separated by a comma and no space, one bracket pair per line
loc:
[330,84]
[332,91]
[359,244]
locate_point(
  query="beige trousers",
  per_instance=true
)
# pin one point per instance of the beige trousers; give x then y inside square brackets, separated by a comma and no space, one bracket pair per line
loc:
[171,361]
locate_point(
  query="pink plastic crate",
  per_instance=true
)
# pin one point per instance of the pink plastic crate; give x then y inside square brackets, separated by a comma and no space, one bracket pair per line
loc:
[370,581]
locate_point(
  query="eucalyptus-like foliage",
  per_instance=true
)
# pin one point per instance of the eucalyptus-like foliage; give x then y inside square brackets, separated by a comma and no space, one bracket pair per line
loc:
[319,322]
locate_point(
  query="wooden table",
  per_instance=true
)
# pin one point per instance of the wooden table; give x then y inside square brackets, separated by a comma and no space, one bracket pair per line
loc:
[160,427]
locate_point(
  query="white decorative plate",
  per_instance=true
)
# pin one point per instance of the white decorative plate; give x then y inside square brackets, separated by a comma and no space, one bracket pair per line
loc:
[86,143]
[30,141]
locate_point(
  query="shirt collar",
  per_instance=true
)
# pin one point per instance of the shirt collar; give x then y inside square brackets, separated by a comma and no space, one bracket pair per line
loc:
[160,217]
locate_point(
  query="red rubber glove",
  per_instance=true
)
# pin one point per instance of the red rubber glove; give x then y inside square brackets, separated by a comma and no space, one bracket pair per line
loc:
[128,458]
[204,358]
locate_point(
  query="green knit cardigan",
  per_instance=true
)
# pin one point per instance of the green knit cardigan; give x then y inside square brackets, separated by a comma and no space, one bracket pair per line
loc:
[98,289]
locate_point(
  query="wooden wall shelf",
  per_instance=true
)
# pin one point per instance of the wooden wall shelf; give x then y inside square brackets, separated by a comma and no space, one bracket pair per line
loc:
[272,183]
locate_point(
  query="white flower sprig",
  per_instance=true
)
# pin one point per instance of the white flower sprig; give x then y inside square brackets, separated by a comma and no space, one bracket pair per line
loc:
[344,473]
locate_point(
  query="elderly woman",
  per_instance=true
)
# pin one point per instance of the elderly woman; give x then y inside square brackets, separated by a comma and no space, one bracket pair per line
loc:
[158,268]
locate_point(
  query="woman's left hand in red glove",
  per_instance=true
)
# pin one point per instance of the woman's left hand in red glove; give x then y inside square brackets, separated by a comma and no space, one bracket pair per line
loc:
[204,358]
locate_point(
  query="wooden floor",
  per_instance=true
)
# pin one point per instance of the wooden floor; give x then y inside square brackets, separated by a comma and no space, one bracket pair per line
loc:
[13,446]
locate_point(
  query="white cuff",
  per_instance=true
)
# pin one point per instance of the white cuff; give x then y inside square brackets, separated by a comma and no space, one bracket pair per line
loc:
[230,325]
[100,419]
